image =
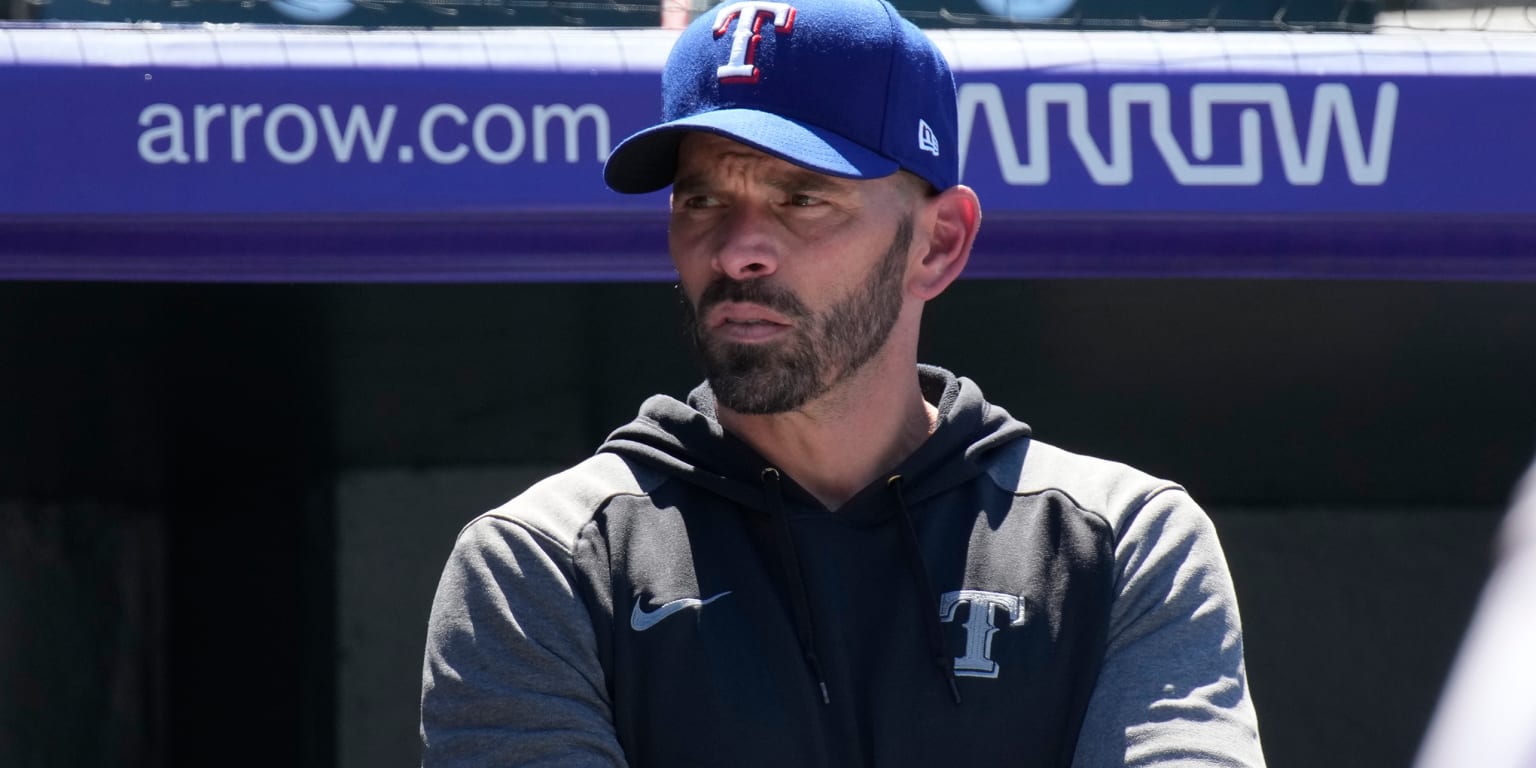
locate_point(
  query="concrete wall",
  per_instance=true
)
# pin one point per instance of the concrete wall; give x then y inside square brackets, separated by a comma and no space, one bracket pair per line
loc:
[1350,617]
[307,452]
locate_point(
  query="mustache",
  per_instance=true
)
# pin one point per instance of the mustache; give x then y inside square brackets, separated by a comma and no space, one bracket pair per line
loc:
[757,291]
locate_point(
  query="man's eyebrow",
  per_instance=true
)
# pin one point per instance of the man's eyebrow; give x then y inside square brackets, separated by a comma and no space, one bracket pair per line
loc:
[787,182]
[804,181]
[688,183]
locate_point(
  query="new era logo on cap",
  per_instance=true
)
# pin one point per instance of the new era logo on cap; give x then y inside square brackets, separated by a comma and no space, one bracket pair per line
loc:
[926,141]
[834,86]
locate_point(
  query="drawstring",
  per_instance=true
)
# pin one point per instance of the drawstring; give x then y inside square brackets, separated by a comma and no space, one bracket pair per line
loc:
[941,659]
[791,561]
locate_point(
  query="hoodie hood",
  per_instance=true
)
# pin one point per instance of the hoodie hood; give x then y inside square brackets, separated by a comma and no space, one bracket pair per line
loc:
[686,440]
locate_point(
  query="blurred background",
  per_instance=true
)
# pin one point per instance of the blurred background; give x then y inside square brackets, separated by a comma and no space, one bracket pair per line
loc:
[224,504]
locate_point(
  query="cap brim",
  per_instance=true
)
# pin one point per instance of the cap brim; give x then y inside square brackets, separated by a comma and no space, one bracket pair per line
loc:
[647,161]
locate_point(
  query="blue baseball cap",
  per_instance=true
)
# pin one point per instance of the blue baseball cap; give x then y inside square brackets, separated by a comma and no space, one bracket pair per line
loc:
[843,87]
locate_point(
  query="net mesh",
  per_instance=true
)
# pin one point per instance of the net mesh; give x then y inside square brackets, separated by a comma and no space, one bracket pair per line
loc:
[1349,16]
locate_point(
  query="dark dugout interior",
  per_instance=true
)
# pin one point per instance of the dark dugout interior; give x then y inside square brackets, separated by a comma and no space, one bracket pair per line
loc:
[170,454]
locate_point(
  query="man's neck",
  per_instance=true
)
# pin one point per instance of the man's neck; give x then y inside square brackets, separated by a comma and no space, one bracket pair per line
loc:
[838,444]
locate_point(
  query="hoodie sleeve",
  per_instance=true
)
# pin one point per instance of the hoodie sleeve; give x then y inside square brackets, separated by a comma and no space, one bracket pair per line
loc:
[511,675]
[1173,690]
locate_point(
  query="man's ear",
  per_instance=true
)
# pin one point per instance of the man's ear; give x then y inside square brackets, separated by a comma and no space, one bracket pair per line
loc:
[956,217]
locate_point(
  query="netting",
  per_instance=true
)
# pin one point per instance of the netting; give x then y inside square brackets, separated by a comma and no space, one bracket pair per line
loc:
[1351,16]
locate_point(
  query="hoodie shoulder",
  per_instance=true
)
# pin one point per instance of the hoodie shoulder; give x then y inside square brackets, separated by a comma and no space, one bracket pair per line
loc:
[559,505]
[1107,489]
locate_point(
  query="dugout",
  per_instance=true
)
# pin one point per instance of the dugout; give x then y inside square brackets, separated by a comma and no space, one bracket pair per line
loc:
[246,403]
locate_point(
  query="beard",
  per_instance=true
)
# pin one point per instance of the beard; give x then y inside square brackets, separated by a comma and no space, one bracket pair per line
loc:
[824,348]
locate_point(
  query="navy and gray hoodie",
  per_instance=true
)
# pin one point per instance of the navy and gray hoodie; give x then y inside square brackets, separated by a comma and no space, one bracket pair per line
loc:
[677,601]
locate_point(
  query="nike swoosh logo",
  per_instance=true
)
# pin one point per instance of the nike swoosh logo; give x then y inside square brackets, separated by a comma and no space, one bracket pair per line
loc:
[640,619]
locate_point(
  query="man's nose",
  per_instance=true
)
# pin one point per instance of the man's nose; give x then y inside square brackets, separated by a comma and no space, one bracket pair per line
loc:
[747,248]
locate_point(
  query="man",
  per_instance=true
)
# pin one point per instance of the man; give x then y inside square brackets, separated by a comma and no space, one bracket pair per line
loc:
[829,555]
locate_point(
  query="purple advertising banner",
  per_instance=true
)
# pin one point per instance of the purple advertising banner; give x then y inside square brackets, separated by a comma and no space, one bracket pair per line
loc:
[149,164]
[181,141]
[1241,144]
[200,142]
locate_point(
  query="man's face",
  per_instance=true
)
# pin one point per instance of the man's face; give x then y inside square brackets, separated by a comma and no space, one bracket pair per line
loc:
[791,280]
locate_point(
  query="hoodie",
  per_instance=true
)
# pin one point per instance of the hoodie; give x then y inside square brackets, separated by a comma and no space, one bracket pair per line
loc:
[992,600]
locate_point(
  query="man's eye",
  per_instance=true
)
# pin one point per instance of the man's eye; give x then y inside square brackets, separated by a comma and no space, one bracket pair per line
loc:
[804,201]
[698,201]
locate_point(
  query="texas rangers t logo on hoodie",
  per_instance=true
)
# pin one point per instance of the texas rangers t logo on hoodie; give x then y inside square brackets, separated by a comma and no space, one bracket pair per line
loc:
[742,67]
[979,628]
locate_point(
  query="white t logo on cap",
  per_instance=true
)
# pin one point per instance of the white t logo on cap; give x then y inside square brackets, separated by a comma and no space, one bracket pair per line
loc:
[742,67]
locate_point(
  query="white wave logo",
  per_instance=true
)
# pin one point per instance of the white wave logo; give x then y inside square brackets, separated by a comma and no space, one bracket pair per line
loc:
[1332,106]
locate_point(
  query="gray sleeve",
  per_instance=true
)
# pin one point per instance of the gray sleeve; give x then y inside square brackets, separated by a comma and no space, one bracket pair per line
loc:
[511,675]
[1173,690]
